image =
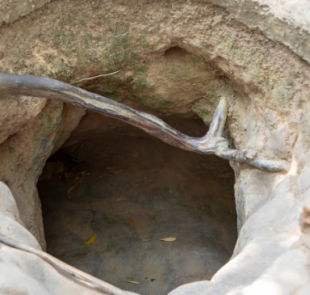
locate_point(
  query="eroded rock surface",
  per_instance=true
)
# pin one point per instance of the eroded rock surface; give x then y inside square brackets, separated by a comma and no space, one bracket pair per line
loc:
[23,156]
[33,274]
[178,58]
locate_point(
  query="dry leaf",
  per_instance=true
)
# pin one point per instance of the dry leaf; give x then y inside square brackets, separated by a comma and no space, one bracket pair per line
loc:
[171,239]
[131,221]
[116,172]
[132,282]
[77,180]
[120,199]
[91,239]
[69,191]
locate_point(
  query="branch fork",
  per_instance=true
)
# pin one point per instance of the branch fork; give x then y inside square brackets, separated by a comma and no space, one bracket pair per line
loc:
[211,143]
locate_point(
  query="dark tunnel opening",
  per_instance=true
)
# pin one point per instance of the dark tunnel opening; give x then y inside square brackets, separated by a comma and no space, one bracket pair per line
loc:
[109,200]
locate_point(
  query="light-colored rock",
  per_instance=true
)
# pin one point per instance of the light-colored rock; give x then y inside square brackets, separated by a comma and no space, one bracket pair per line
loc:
[280,279]
[11,10]
[303,290]
[7,201]
[256,53]
[197,288]
[26,273]
[15,112]
[23,158]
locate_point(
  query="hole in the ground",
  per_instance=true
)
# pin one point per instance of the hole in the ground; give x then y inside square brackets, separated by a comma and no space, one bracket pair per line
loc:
[175,53]
[169,193]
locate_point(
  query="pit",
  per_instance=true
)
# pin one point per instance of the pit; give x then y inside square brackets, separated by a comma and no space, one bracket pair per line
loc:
[134,191]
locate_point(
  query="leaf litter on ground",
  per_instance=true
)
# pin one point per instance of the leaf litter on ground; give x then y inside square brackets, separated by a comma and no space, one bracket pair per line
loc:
[79,178]
[90,240]
[170,239]
[128,281]
[114,170]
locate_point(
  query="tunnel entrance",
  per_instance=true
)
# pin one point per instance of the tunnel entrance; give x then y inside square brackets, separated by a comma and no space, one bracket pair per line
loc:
[126,191]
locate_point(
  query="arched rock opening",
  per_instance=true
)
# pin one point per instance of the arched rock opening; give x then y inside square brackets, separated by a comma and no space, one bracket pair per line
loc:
[232,50]
[131,191]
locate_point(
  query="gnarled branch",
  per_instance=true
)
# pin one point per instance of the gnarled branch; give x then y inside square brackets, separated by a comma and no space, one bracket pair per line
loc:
[211,143]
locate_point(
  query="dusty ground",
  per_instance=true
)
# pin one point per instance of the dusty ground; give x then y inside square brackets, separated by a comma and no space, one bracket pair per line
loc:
[169,192]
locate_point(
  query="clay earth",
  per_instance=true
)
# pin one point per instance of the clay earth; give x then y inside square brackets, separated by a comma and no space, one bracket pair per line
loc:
[92,205]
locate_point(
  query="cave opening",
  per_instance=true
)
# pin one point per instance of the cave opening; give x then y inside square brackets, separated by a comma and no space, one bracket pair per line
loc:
[126,191]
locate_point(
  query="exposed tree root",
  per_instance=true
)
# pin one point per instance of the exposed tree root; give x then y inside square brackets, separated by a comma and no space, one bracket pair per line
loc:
[211,143]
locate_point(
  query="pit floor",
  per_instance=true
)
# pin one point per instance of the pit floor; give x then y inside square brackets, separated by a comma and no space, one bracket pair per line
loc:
[169,193]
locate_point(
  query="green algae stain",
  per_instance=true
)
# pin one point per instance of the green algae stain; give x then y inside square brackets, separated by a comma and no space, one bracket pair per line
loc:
[141,83]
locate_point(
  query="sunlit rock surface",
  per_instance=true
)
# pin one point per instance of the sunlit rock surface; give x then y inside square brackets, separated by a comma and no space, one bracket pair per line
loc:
[175,59]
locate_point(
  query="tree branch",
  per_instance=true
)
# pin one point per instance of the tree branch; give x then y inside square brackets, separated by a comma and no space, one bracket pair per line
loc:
[211,143]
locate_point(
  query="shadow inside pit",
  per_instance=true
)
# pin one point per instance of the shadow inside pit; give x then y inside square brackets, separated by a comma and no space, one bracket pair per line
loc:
[167,192]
